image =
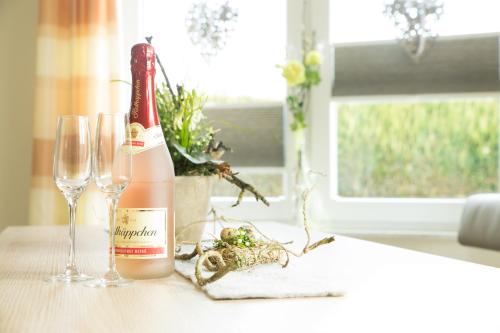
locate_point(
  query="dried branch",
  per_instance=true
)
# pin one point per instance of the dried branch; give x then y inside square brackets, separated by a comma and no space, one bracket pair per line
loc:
[233,179]
[188,256]
[222,270]
[319,243]
[307,228]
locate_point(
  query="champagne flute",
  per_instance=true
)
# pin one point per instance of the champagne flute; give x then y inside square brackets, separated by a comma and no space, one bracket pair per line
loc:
[112,174]
[72,172]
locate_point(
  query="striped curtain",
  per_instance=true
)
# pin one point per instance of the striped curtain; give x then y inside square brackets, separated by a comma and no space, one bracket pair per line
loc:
[77,57]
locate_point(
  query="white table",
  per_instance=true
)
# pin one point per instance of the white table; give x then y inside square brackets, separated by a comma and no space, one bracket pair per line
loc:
[388,290]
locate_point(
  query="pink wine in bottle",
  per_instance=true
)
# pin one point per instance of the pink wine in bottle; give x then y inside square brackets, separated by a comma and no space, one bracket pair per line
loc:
[145,217]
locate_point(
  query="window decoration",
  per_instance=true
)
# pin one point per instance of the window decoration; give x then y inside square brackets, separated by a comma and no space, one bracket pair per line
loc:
[415,20]
[209,25]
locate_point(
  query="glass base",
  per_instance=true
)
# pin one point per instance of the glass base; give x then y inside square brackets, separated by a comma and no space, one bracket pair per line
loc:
[110,279]
[69,276]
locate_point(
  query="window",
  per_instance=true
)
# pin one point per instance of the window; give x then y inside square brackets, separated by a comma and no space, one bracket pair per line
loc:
[244,89]
[254,132]
[424,149]
[407,142]
[374,116]
[244,70]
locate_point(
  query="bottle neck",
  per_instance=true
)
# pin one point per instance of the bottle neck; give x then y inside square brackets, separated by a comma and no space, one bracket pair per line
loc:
[143,105]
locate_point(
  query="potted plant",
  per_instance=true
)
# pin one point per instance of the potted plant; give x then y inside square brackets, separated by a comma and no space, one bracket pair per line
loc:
[196,156]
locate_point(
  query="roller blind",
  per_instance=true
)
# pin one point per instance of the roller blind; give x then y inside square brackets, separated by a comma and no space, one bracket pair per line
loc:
[458,64]
[253,132]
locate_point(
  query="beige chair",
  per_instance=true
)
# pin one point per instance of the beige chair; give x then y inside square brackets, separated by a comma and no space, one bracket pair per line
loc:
[480,223]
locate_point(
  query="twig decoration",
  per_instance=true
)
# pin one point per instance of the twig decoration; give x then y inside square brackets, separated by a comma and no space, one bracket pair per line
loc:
[240,249]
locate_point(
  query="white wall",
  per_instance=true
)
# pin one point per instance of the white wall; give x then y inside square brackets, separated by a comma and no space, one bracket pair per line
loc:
[18,21]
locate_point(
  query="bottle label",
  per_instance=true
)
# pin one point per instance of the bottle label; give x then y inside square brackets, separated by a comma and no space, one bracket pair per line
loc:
[141,233]
[142,139]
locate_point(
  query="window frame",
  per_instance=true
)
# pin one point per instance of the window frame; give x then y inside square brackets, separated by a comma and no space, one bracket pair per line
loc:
[365,215]
[410,215]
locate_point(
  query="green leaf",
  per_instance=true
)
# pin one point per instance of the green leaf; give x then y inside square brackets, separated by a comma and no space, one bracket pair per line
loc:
[121,81]
[313,77]
[200,158]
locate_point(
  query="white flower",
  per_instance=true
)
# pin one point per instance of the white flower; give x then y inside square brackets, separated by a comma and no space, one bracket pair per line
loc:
[195,119]
[178,121]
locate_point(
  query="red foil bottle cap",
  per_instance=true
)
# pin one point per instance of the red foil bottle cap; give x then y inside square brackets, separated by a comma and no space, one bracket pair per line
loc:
[143,106]
[143,57]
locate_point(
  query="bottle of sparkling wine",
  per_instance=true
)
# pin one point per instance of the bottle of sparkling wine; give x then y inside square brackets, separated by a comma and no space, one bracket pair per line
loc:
[145,216]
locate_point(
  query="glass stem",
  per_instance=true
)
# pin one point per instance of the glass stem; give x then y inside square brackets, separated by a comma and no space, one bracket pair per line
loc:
[112,202]
[72,221]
